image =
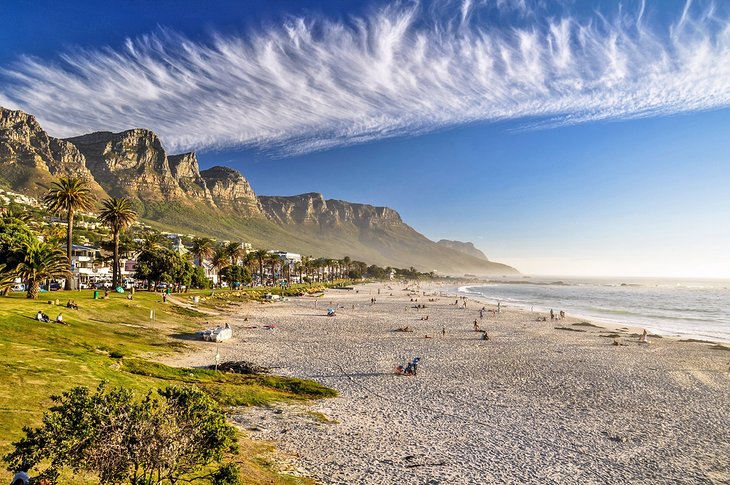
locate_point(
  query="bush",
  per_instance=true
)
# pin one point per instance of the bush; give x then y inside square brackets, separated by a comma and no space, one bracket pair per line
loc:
[177,434]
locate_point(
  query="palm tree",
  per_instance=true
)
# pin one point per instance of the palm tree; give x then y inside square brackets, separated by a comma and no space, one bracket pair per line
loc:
[274,262]
[154,241]
[67,196]
[220,257]
[117,214]
[202,248]
[304,266]
[40,261]
[7,278]
[346,262]
[261,254]
[235,251]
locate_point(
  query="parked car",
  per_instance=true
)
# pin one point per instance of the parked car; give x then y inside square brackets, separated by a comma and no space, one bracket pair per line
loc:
[18,287]
[162,286]
[83,286]
[102,285]
[54,286]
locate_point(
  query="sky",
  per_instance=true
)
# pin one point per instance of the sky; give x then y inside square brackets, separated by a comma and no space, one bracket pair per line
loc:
[561,137]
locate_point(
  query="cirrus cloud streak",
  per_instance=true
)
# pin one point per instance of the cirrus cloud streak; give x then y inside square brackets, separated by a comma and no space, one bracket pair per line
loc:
[311,84]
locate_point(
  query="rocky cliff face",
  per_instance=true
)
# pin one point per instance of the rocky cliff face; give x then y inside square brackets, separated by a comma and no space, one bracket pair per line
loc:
[131,164]
[375,234]
[464,247]
[186,171]
[165,187]
[230,190]
[312,208]
[30,159]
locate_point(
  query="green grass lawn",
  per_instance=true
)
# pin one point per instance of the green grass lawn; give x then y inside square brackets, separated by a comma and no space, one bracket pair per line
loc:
[40,359]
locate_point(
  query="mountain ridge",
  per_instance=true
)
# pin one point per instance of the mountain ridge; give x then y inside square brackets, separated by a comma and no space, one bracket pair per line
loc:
[171,192]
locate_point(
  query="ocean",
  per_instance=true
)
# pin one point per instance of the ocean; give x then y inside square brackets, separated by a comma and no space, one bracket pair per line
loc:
[686,308]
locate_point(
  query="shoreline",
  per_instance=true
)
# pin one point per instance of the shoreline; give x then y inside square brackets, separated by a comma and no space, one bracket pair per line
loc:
[533,404]
[609,324]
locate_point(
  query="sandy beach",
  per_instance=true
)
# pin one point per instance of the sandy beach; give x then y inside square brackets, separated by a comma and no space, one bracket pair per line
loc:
[534,404]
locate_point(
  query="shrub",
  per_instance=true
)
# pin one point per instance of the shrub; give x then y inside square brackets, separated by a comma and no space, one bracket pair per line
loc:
[177,434]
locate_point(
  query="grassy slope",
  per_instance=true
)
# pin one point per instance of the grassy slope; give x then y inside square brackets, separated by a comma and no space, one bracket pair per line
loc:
[400,246]
[40,359]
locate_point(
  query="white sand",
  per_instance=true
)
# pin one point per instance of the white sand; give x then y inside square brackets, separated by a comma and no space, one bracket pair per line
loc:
[532,405]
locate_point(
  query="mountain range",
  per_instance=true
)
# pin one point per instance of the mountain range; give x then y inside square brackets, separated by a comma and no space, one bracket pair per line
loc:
[171,193]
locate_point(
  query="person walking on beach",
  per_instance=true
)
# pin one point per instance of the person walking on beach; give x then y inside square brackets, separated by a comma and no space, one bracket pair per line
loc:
[552,315]
[499,307]
[443,331]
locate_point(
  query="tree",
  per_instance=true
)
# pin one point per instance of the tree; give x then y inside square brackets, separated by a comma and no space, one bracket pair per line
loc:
[67,196]
[153,241]
[14,233]
[274,263]
[236,274]
[376,272]
[7,278]
[199,278]
[346,263]
[40,261]
[117,214]
[261,255]
[163,266]
[235,251]
[201,249]
[177,434]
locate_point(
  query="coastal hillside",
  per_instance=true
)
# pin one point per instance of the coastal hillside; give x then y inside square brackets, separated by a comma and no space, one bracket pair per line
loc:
[170,192]
[377,233]
[464,247]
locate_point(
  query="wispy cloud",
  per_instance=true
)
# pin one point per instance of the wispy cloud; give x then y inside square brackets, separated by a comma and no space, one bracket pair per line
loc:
[311,83]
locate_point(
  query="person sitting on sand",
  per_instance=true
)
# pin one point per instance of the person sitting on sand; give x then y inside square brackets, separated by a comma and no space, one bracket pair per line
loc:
[476,326]
[485,336]
[644,339]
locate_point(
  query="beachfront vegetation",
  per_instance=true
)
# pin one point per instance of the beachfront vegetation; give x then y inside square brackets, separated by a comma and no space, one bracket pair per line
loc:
[67,196]
[178,433]
[117,214]
[111,340]
[163,266]
[39,261]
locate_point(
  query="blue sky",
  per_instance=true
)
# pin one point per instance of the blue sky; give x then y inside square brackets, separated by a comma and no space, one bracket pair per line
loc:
[560,137]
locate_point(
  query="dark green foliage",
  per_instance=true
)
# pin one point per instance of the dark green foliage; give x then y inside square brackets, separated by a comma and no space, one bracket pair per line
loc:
[376,272]
[180,433]
[198,278]
[163,265]
[14,233]
[236,274]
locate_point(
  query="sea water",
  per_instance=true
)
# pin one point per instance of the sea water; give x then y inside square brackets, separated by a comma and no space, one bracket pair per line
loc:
[687,308]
